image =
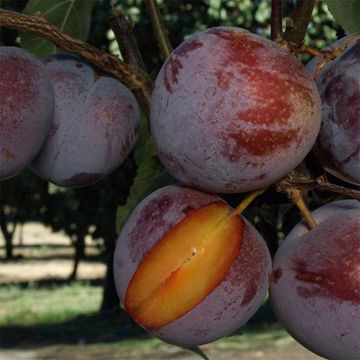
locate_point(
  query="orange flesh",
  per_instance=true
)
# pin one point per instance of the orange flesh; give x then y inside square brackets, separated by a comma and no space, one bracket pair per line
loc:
[184,266]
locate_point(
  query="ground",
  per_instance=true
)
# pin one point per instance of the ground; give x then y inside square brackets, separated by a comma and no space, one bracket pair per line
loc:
[42,316]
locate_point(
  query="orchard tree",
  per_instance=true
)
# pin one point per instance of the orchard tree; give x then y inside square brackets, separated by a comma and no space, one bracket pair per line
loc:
[227,112]
[22,199]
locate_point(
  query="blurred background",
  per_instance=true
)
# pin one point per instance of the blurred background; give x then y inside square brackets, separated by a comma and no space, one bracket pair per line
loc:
[57,296]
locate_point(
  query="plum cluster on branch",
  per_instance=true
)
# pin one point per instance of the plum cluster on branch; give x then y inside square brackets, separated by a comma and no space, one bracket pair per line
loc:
[187,267]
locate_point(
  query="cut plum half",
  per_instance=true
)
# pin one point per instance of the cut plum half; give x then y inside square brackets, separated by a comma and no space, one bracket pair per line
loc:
[184,266]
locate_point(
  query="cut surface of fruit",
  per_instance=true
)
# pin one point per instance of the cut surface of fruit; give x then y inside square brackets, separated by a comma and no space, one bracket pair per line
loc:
[184,266]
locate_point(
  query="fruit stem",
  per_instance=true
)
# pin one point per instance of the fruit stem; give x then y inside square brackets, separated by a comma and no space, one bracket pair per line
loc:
[247,201]
[296,197]
[159,28]
[311,51]
[276,20]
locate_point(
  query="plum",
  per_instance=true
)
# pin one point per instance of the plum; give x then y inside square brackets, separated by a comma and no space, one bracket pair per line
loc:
[232,111]
[338,145]
[94,128]
[315,282]
[164,277]
[27,105]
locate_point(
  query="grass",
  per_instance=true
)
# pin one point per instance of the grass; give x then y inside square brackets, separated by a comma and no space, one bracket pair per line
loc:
[61,322]
[34,305]
[68,314]
[272,336]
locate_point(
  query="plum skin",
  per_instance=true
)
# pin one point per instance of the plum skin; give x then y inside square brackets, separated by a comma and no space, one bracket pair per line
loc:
[230,304]
[338,145]
[27,105]
[95,124]
[221,122]
[315,286]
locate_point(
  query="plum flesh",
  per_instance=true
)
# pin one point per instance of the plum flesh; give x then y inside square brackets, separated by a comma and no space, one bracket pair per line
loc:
[230,304]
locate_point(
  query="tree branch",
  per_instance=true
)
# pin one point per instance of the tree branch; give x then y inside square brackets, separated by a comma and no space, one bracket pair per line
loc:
[123,30]
[331,53]
[298,182]
[133,77]
[159,28]
[276,20]
[297,26]
[319,183]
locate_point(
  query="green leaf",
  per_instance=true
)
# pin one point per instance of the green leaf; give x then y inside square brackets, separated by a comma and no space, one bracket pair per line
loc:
[70,16]
[149,177]
[346,13]
[145,146]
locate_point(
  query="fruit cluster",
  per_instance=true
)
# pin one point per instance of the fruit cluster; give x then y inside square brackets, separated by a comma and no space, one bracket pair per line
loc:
[187,267]
[191,270]
[71,125]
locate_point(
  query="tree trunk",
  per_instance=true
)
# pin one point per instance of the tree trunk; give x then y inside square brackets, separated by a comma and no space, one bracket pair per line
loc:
[79,254]
[21,234]
[8,235]
[110,298]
